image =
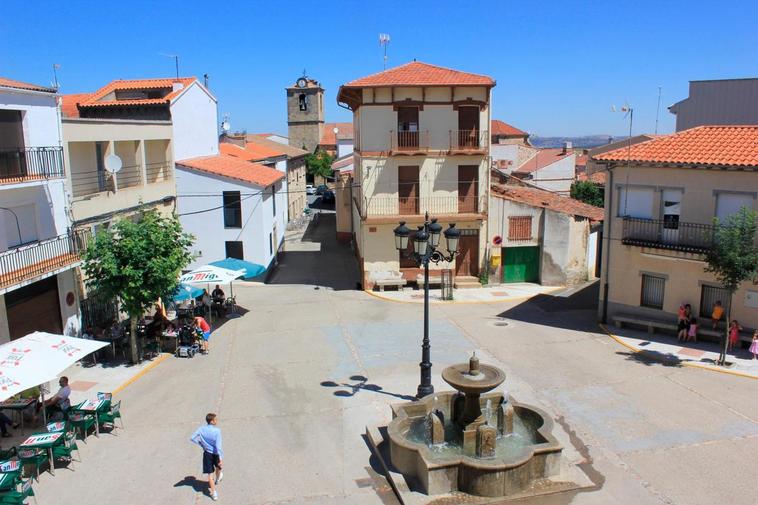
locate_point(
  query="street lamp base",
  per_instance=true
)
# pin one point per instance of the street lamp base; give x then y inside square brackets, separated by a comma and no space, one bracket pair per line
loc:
[424,390]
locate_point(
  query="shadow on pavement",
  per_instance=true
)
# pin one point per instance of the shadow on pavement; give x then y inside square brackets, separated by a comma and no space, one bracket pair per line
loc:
[574,310]
[318,259]
[649,358]
[361,384]
[199,486]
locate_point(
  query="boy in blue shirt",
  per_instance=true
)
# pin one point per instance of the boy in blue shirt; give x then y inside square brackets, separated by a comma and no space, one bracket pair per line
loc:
[209,438]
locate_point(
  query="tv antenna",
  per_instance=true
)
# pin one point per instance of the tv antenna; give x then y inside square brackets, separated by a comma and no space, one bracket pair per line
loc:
[56,85]
[176,61]
[384,41]
[225,124]
[657,110]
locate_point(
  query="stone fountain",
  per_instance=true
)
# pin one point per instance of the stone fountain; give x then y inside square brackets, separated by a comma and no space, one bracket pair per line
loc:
[472,440]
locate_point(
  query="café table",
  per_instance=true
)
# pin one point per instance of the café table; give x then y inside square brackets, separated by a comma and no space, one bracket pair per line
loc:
[95,407]
[10,472]
[44,441]
[19,405]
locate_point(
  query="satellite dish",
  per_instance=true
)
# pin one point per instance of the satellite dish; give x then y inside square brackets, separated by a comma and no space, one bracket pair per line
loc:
[336,130]
[113,163]
[225,126]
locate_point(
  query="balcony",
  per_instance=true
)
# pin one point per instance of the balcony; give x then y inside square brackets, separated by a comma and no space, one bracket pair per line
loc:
[30,164]
[416,206]
[409,142]
[28,262]
[94,182]
[469,141]
[660,234]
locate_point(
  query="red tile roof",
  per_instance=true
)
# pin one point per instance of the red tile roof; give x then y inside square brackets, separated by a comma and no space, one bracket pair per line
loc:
[12,83]
[541,159]
[234,168]
[547,200]
[416,73]
[702,145]
[343,162]
[596,177]
[251,152]
[96,98]
[328,137]
[69,104]
[501,128]
[290,151]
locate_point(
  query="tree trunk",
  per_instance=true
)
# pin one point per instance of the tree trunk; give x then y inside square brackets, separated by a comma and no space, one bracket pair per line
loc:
[722,354]
[133,355]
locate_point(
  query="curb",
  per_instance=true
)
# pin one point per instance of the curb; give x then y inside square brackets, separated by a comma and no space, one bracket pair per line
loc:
[683,363]
[142,372]
[464,302]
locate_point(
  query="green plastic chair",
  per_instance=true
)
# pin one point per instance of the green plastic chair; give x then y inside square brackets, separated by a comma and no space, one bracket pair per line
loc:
[18,497]
[110,417]
[82,423]
[36,457]
[66,449]
[13,468]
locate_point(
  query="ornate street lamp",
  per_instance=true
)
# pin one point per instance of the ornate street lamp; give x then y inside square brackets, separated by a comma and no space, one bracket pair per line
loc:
[426,242]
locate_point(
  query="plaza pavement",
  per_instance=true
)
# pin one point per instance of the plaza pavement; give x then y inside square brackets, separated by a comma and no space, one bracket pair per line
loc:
[296,379]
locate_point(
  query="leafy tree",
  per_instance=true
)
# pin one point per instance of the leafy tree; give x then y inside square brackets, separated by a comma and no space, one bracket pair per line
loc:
[319,164]
[587,192]
[137,262]
[733,258]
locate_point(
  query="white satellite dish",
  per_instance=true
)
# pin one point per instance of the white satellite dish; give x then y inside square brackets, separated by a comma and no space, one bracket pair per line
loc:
[113,163]
[336,130]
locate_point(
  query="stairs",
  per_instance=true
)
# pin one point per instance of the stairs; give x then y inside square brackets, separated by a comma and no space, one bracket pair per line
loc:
[467,282]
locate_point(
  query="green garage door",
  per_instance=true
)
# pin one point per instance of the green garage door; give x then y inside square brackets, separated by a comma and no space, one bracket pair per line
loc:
[521,264]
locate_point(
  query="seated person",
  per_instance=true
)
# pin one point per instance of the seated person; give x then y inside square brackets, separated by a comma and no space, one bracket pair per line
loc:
[59,402]
[218,294]
[4,422]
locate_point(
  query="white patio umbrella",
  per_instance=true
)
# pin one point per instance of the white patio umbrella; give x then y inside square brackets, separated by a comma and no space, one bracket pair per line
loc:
[37,358]
[211,274]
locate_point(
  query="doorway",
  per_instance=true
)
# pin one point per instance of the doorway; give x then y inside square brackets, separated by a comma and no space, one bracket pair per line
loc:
[467,262]
[407,127]
[35,307]
[468,126]
[468,188]
[407,190]
[521,264]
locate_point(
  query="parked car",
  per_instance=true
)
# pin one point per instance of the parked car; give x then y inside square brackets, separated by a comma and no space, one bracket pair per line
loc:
[327,196]
[310,190]
[321,189]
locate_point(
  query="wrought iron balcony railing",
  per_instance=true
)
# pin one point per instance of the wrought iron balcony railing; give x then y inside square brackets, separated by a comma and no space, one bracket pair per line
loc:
[414,206]
[31,163]
[29,261]
[663,234]
[469,140]
[408,141]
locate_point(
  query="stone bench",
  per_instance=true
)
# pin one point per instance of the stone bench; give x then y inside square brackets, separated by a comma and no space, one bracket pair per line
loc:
[397,282]
[434,280]
[652,324]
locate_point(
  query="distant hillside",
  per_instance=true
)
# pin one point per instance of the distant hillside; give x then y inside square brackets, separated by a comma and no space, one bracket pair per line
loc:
[587,141]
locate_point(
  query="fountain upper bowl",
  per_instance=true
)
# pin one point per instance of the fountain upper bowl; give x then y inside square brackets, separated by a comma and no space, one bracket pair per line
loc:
[461,379]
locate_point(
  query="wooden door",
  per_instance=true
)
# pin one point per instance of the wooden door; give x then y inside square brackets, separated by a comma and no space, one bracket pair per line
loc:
[408,190]
[467,262]
[468,126]
[468,188]
[407,127]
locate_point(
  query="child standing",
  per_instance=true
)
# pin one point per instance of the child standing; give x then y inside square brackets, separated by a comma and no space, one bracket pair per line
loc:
[734,334]
[718,311]
[692,332]
[754,344]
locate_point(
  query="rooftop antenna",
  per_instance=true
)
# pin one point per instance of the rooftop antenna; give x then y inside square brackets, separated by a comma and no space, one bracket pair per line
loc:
[56,85]
[384,41]
[206,78]
[225,124]
[176,61]
[657,110]
[628,113]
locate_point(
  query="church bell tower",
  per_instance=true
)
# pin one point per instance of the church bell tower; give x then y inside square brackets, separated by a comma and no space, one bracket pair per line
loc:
[305,113]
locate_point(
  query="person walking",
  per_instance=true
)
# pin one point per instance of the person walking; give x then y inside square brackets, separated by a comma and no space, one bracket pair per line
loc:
[209,438]
[754,344]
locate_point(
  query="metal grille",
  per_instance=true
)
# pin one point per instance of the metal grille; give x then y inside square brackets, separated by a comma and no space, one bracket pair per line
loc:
[520,228]
[652,291]
[98,311]
[710,295]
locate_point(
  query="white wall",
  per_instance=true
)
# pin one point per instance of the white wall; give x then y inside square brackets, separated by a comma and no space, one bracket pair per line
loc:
[557,176]
[208,227]
[195,117]
[69,314]
[49,202]
[39,116]
[345,147]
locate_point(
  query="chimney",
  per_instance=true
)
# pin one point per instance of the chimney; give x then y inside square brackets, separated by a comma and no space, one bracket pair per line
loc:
[567,146]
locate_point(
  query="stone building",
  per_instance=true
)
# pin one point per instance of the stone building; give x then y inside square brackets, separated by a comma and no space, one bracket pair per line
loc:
[305,114]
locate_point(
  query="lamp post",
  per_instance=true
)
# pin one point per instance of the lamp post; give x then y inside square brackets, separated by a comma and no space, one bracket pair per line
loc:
[425,250]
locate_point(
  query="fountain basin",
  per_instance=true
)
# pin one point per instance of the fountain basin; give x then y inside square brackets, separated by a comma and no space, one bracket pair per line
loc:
[529,454]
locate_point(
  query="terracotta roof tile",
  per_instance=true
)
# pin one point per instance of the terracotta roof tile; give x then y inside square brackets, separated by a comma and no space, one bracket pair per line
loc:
[251,152]
[343,162]
[234,168]
[417,73]
[12,83]
[69,104]
[596,177]
[328,137]
[96,98]
[290,151]
[702,145]
[541,159]
[501,128]
[547,200]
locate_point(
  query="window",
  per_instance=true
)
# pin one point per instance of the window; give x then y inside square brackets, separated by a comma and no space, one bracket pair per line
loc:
[303,101]
[234,250]
[232,209]
[710,295]
[636,202]
[520,228]
[728,204]
[652,291]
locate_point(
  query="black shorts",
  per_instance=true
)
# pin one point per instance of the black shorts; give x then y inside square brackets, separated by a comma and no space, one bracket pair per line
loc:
[210,462]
